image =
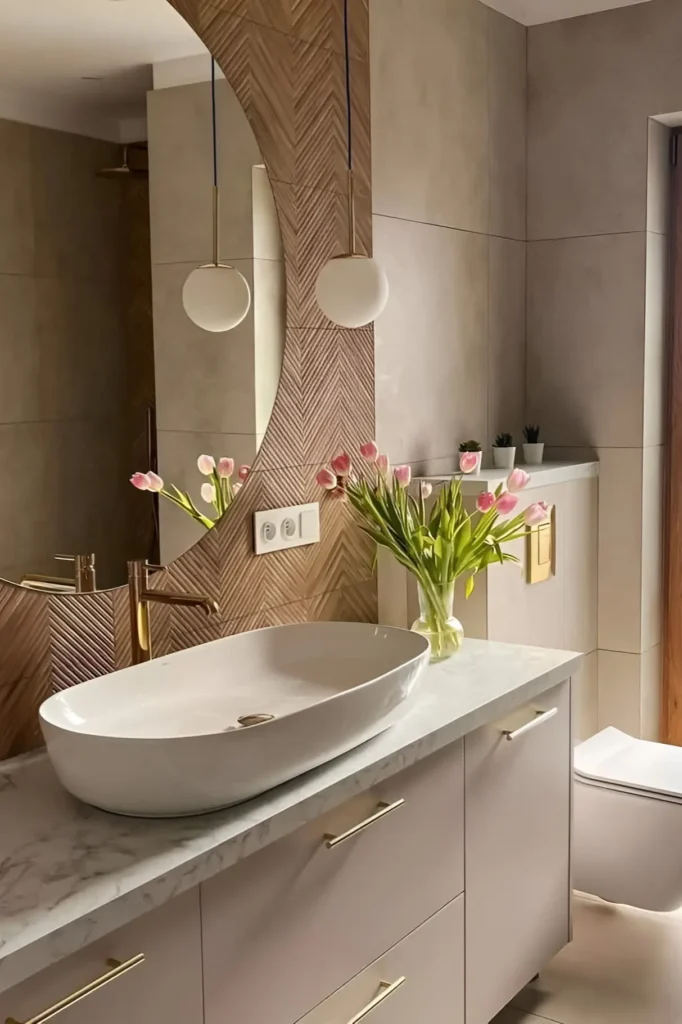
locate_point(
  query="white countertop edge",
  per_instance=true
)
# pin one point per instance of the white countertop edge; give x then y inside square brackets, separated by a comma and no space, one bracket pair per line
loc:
[222,839]
[540,476]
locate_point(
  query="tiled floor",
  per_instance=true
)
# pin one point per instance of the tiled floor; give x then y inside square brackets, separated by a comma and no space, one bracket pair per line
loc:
[624,966]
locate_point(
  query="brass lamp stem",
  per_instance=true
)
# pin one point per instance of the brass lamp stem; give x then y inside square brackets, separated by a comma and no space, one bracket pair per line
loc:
[216,225]
[351,213]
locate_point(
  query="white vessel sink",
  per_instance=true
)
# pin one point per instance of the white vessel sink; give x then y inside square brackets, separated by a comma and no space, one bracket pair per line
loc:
[163,739]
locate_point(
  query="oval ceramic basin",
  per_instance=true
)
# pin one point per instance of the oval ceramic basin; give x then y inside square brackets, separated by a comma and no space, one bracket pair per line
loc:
[164,738]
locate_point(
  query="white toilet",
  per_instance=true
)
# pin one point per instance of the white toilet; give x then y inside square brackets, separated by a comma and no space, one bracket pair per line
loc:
[628,821]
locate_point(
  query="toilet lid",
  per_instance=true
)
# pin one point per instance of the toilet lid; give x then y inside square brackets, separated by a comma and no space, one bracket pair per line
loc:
[612,758]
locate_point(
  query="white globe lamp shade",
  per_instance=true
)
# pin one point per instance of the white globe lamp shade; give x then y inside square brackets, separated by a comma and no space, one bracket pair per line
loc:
[216,297]
[351,290]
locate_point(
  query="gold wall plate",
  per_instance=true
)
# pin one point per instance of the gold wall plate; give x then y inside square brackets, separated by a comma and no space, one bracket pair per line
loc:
[541,549]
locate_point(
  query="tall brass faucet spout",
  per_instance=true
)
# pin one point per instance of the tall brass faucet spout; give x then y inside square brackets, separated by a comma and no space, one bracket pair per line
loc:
[140,597]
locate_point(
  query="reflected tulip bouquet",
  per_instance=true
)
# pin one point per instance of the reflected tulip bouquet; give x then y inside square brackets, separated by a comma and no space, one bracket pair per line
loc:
[218,491]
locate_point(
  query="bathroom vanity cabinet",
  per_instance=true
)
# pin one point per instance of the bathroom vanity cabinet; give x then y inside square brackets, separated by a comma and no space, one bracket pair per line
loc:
[432,896]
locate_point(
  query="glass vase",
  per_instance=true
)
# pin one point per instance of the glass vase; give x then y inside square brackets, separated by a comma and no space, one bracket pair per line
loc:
[437,621]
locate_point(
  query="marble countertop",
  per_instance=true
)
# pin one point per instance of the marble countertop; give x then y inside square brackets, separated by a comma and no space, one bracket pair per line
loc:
[70,874]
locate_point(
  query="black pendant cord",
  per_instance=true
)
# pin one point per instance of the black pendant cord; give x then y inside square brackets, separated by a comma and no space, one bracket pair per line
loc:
[349,113]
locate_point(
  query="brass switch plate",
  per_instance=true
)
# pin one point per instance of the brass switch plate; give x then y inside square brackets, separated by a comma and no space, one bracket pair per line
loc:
[541,549]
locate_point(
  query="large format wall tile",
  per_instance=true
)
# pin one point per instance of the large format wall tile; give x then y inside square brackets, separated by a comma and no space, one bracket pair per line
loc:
[659,178]
[586,339]
[616,68]
[507,104]
[431,340]
[507,339]
[620,547]
[630,692]
[430,130]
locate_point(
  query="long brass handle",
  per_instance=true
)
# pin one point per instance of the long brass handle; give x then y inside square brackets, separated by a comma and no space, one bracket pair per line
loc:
[382,810]
[117,969]
[540,717]
[386,989]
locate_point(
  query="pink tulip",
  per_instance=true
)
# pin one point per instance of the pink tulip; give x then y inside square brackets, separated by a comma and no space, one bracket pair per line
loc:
[338,494]
[536,513]
[341,464]
[517,480]
[485,501]
[369,451]
[243,472]
[383,465]
[206,464]
[403,475]
[141,481]
[225,468]
[208,493]
[506,503]
[469,461]
[426,490]
[327,479]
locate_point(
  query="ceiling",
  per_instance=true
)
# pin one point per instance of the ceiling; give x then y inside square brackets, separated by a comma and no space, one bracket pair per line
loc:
[536,12]
[85,64]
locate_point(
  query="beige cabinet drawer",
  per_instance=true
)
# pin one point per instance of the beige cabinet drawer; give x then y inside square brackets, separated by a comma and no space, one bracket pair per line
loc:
[292,923]
[166,986]
[419,981]
[518,817]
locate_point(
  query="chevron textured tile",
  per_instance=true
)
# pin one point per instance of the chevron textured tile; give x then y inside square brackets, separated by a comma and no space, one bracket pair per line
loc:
[283,59]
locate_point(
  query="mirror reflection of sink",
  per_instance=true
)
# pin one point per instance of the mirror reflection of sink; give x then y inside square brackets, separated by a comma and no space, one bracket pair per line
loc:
[192,732]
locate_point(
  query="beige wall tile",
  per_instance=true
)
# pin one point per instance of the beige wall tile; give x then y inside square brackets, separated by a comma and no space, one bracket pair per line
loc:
[655,338]
[204,381]
[650,696]
[17,234]
[181,174]
[619,691]
[430,128]
[585,706]
[267,238]
[620,547]
[507,347]
[585,339]
[652,545]
[20,358]
[579,521]
[269,335]
[431,340]
[507,111]
[659,179]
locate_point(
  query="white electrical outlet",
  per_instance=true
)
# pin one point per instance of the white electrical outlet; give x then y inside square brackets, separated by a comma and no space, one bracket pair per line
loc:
[291,527]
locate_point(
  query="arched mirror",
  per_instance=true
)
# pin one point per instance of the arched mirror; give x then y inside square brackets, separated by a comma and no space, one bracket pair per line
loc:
[106,207]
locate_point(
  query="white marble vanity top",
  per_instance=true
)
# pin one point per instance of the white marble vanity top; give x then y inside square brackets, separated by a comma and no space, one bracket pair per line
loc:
[70,874]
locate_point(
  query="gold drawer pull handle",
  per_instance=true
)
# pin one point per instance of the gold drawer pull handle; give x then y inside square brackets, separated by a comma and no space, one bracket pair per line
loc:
[382,810]
[540,717]
[117,969]
[386,989]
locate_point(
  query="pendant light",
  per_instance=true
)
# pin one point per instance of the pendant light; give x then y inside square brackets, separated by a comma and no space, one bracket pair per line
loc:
[351,289]
[216,297]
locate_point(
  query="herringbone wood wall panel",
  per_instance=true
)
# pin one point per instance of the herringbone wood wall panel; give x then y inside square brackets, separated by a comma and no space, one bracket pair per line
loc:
[284,59]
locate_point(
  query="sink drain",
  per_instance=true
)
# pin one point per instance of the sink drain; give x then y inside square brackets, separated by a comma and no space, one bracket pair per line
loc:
[247,720]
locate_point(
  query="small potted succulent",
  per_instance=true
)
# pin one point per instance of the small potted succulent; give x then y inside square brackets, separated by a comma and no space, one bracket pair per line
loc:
[533,449]
[504,452]
[470,455]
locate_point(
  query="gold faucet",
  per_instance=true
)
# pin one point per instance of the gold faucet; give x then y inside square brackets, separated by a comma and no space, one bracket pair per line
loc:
[84,578]
[141,597]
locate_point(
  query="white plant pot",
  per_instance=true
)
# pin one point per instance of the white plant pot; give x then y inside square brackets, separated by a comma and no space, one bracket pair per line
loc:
[503,458]
[532,453]
[479,459]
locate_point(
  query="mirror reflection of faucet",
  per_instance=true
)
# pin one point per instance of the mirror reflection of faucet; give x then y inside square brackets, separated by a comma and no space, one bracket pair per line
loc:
[140,597]
[84,579]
